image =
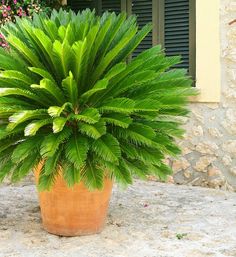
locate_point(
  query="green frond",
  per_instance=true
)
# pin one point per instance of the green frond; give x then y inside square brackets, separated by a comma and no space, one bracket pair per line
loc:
[7,111]
[155,52]
[69,35]
[108,58]
[64,55]
[51,163]
[5,134]
[25,93]
[71,89]
[120,173]
[161,171]
[94,131]
[86,63]
[132,82]
[101,35]
[9,62]
[166,127]
[25,148]
[116,70]
[171,128]
[44,46]
[42,72]
[46,182]
[111,38]
[18,76]
[56,111]
[107,147]
[32,128]
[5,169]
[137,133]
[25,167]
[166,144]
[51,142]
[136,168]
[121,105]
[59,124]
[79,51]
[76,151]
[89,115]
[131,68]
[99,86]
[93,176]
[72,98]
[147,105]
[71,174]
[22,116]
[8,101]
[51,88]
[117,119]
[146,155]
[24,51]
[50,28]
[134,42]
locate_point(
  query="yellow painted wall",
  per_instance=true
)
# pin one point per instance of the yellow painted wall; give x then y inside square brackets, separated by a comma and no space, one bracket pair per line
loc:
[208,68]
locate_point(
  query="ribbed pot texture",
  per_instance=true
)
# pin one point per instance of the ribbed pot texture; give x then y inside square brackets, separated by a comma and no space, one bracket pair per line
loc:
[73,211]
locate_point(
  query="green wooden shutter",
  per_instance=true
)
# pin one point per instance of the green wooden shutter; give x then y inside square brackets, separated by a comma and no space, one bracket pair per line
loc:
[111,6]
[143,10]
[176,30]
[79,5]
[173,22]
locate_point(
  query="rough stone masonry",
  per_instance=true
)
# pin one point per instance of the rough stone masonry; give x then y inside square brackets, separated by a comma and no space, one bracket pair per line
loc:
[209,147]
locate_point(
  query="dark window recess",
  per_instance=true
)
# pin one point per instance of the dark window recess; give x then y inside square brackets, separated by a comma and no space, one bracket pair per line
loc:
[79,5]
[143,10]
[111,6]
[176,30]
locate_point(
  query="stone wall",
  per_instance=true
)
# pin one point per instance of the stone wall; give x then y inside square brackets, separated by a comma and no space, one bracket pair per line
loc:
[209,146]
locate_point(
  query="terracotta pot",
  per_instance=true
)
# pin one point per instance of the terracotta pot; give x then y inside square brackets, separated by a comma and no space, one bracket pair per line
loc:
[73,211]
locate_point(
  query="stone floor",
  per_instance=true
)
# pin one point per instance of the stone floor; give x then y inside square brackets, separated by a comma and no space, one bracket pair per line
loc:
[147,220]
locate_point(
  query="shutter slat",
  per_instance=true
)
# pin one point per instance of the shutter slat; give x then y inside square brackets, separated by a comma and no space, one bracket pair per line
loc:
[79,5]
[143,10]
[177,30]
[111,6]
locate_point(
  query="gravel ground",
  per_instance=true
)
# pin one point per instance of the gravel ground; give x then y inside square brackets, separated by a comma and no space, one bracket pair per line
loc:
[149,219]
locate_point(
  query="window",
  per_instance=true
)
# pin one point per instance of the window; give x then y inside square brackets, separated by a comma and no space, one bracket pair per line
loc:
[99,5]
[182,27]
[173,24]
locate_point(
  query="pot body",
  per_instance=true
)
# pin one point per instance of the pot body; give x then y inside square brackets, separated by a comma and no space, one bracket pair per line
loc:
[73,211]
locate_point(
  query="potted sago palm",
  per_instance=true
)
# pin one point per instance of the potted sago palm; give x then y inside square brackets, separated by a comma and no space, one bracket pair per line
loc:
[75,109]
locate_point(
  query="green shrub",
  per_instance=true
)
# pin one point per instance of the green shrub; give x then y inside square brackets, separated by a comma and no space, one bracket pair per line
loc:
[69,98]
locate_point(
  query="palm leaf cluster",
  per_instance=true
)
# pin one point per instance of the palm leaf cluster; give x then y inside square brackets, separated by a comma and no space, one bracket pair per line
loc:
[69,98]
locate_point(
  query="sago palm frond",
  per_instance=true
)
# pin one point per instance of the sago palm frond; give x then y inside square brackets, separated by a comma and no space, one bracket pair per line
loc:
[70,99]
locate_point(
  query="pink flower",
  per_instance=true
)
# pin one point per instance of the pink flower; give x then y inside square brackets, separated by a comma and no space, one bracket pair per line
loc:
[3,42]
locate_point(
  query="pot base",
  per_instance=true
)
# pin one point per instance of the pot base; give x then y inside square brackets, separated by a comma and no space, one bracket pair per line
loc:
[70,233]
